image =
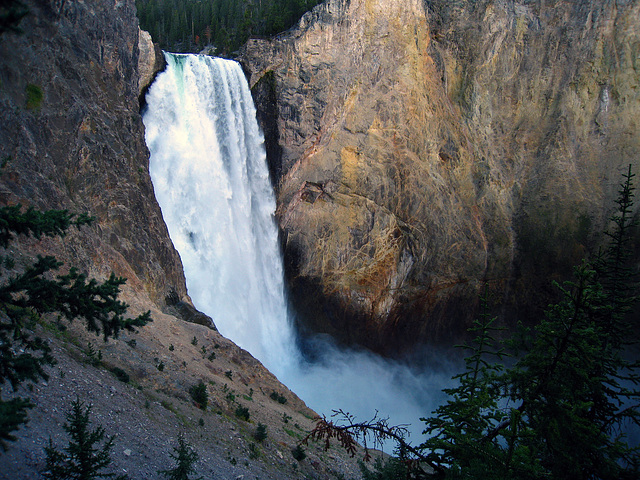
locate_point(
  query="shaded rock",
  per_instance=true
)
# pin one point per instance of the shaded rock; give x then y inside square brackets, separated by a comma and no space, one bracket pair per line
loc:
[184,309]
[81,145]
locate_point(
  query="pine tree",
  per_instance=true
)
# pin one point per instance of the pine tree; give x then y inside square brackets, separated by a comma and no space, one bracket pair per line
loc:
[28,295]
[83,458]
[261,433]
[576,388]
[615,267]
[556,382]
[185,457]
[459,426]
[13,413]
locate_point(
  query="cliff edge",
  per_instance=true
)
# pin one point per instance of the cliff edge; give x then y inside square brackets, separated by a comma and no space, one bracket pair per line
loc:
[72,138]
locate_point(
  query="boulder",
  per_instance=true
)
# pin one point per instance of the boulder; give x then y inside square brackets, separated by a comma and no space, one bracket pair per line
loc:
[150,61]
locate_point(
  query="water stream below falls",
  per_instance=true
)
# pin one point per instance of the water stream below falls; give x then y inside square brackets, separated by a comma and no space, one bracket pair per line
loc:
[210,176]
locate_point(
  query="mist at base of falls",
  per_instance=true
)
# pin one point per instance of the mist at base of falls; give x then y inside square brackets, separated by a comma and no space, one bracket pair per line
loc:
[210,176]
[364,384]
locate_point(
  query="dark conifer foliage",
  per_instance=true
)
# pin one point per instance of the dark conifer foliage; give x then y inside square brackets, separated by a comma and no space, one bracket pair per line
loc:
[83,458]
[185,458]
[190,25]
[27,293]
[11,14]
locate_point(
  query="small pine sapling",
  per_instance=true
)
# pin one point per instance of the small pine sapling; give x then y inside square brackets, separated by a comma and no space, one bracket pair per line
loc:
[261,432]
[298,453]
[199,395]
[185,458]
[83,458]
[243,413]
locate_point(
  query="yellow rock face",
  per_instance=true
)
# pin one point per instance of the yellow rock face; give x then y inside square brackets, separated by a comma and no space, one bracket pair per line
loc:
[427,152]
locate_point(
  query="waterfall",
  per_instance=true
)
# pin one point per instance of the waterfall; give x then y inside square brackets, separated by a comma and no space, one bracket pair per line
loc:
[209,171]
[208,167]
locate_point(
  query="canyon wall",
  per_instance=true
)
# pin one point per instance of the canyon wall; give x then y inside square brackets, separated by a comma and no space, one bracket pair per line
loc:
[423,149]
[71,137]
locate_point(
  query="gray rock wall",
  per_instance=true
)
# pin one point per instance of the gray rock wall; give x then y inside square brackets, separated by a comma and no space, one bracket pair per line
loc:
[81,146]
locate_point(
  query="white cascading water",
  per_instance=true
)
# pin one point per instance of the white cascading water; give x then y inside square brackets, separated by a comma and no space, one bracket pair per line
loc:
[210,176]
[209,172]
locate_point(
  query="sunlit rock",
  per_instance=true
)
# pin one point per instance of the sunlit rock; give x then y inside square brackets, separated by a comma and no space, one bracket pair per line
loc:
[150,61]
[423,149]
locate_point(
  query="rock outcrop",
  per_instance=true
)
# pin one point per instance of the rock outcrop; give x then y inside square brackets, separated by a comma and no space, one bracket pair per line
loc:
[150,61]
[421,149]
[72,137]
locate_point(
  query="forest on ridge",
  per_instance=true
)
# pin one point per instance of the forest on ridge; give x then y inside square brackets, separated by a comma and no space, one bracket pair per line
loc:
[188,26]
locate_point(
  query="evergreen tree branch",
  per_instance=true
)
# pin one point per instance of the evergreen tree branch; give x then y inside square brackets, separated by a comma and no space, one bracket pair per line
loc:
[377,428]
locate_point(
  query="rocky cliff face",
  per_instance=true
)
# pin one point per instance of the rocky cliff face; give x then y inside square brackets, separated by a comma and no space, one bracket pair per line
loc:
[421,149]
[71,137]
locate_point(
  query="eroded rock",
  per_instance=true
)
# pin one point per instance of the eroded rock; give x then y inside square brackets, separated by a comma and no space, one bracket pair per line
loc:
[150,61]
[427,148]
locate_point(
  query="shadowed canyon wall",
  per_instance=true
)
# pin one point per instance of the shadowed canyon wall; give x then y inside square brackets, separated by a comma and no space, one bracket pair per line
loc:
[421,149]
[71,137]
